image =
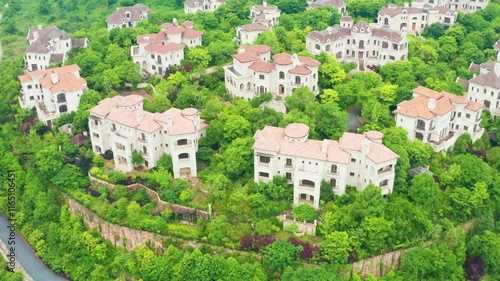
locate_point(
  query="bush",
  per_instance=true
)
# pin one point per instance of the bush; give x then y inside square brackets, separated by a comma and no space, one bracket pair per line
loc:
[116,176]
[292,228]
[265,227]
[98,161]
[95,171]
[186,195]
[308,251]
[304,212]
[255,243]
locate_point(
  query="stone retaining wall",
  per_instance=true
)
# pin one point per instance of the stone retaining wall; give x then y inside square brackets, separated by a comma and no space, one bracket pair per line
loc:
[153,195]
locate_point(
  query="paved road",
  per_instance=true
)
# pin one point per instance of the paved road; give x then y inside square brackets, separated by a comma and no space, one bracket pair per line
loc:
[25,256]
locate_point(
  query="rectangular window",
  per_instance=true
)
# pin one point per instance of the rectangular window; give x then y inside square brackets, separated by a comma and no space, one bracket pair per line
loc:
[264,175]
[351,174]
[261,76]
[264,159]
[96,122]
[95,135]
[466,128]
[288,162]
[353,160]
[467,115]
[289,176]
[460,114]
[32,98]
[29,87]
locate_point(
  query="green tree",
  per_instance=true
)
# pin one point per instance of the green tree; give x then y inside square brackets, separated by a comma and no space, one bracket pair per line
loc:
[280,255]
[265,227]
[137,158]
[300,98]
[331,121]
[335,248]
[199,56]
[304,212]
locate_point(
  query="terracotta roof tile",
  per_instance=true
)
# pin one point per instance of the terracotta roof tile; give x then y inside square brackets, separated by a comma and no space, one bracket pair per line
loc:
[163,49]
[273,139]
[258,49]
[262,66]
[246,57]
[300,70]
[136,14]
[253,27]
[67,80]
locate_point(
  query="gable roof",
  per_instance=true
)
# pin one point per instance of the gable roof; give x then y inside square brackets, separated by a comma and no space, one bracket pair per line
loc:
[137,12]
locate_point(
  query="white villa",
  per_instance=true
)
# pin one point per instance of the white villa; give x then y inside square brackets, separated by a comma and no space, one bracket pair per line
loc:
[52,91]
[366,45]
[339,4]
[484,87]
[128,16]
[439,118]
[194,6]
[156,52]
[412,19]
[253,73]
[357,160]
[120,124]
[263,17]
[49,46]
[464,6]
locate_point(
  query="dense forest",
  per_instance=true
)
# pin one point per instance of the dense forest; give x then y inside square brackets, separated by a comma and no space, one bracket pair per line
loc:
[450,219]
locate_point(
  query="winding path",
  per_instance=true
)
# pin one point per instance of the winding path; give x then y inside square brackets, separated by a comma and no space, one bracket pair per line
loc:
[25,256]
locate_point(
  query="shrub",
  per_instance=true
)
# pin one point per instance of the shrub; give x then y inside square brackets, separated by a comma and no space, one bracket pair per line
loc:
[186,195]
[98,161]
[116,176]
[265,227]
[292,228]
[304,212]
[95,171]
[255,243]
[308,251]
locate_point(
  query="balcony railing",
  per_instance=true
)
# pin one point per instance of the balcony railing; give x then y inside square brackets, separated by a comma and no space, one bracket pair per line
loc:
[421,128]
[264,164]
[333,172]
[383,172]
[142,140]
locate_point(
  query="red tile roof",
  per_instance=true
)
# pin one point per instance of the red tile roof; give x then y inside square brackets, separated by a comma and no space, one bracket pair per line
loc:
[262,66]
[246,57]
[163,49]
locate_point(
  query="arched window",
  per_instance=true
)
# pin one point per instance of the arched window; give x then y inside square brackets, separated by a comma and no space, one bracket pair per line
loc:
[307,183]
[361,44]
[384,183]
[248,86]
[241,86]
[297,80]
[281,89]
[385,45]
[282,75]
[420,124]
[333,183]
[63,108]
[419,136]
[317,47]
[184,156]
[333,169]
[386,21]
[261,89]
[327,48]
[61,98]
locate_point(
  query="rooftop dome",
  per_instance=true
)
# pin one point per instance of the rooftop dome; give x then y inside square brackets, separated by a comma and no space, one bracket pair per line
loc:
[374,136]
[296,131]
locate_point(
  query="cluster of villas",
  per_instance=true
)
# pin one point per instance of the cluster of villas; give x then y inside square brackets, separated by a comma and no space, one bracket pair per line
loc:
[155,53]
[120,124]
[263,17]
[253,73]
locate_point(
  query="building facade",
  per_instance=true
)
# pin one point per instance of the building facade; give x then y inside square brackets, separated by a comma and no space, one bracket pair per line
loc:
[194,6]
[366,45]
[263,17]
[439,118]
[413,20]
[357,160]
[484,87]
[121,125]
[128,16]
[49,46]
[155,53]
[464,6]
[253,73]
[52,92]
[340,5]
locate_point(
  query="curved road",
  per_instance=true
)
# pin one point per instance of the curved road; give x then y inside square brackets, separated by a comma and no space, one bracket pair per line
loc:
[26,257]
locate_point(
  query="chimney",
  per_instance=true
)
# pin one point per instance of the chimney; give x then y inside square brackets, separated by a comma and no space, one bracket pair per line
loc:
[54,78]
[264,3]
[324,146]
[169,119]
[174,21]
[196,122]
[431,104]
[85,132]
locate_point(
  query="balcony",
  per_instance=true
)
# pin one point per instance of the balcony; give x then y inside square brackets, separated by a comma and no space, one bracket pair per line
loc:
[420,128]
[383,172]
[143,140]
[333,172]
